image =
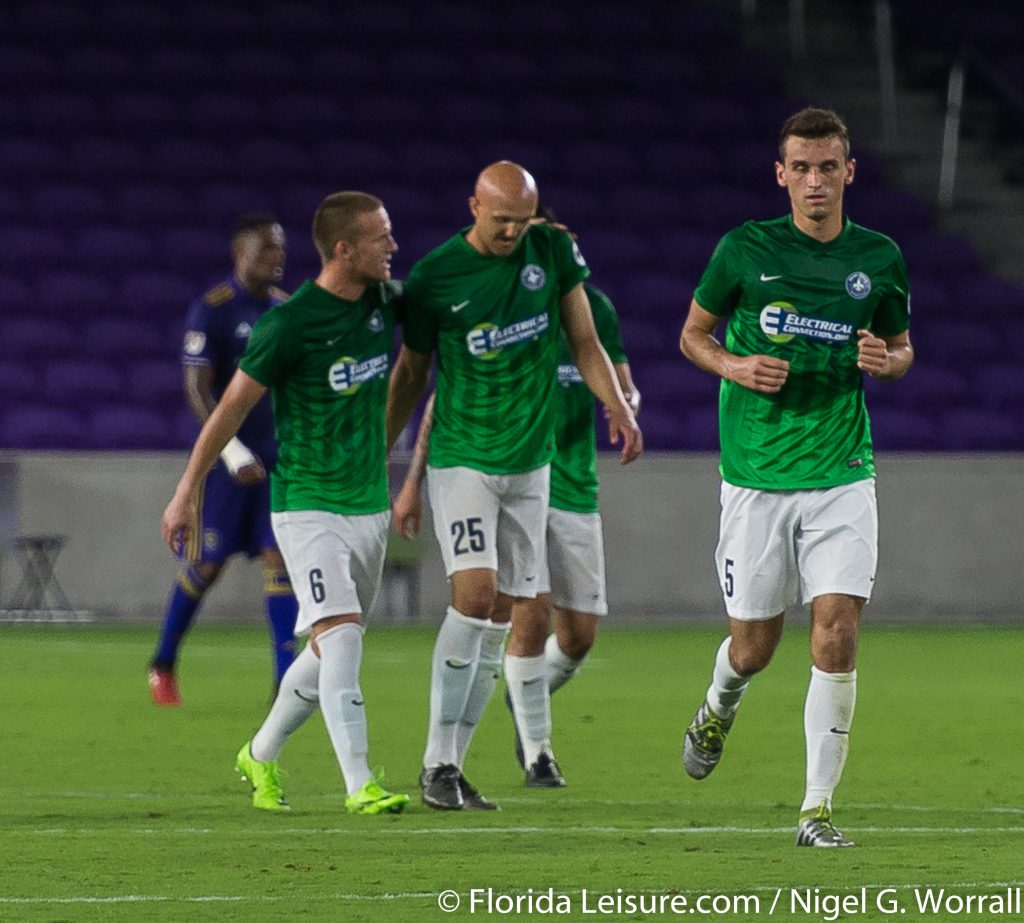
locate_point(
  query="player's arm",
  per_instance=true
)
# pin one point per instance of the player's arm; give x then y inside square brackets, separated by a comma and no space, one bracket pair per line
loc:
[242,463]
[629,389]
[180,520]
[766,374]
[884,358]
[596,369]
[405,387]
[407,511]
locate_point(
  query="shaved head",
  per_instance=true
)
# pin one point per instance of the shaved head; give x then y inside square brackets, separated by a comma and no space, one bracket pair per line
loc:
[503,202]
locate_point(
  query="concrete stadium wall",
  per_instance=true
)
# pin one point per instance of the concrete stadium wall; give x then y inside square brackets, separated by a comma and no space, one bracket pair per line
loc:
[951,538]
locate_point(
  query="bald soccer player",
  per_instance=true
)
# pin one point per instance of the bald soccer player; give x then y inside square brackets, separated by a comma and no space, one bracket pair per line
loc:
[490,303]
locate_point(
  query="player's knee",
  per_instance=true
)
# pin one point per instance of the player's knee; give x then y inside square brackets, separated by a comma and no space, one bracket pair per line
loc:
[750,660]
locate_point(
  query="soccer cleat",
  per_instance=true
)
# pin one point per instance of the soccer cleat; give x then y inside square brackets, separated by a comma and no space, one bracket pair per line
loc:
[163,686]
[702,745]
[372,799]
[472,800]
[816,829]
[263,777]
[520,753]
[441,789]
[545,773]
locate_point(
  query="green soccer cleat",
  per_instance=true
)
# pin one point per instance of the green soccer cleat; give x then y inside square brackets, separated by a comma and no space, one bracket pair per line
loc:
[263,777]
[816,829]
[372,799]
[703,743]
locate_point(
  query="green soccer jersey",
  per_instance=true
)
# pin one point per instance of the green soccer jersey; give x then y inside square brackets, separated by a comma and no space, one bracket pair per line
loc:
[574,468]
[795,298]
[326,363]
[495,323]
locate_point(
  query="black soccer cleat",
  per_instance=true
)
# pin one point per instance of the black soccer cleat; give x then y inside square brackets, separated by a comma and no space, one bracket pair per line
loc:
[440,787]
[545,773]
[472,800]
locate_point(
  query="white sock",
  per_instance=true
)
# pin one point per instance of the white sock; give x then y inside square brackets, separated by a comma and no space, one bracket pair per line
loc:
[727,686]
[559,667]
[492,646]
[296,700]
[341,700]
[456,655]
[828,714]
[531,703]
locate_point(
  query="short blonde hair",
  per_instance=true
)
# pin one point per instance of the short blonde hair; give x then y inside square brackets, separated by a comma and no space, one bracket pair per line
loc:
[336,219]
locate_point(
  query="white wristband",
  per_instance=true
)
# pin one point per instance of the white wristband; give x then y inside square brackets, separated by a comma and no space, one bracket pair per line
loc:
[236,456]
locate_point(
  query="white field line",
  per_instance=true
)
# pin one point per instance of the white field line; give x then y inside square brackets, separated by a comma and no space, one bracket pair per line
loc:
[972,886]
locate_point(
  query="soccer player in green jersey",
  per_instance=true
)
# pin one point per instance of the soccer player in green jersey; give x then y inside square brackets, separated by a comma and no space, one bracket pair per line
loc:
[324,355]
[813,302]
[572,591]
[491,303]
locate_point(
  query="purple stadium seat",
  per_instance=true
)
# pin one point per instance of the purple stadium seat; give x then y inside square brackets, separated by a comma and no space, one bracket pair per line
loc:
[295,205]
[186,427]
[124,337]
[438,161]
[539,159]
[30,158]
[679,162]
[599,161]
[553,116]
[495,69]
[366,160]
[25,68]
[192,160]
[157,294]
[674,382]
[957,340]
[988,297]
[659,294]
[196,251]
[113,247]
[19,381]
[978,429]
[40,426]
[115,159]
[614,250]
[701,428]
[588,73]
[32,337]
[127,426]
[181,69]
[715,118]
[225,114]
[687,251]
[458,114]
[719,207]
[55,18]
[72,293]
[156,382]
[69,203]
[58,114]
[641,204]
[259,66]
[333,66]
[307,116]
[15,295]
[629,116]
[941,255]
[390,118]
[220,203]
[144,111]
[927,385]
[140,22]
[273,160]
[1000,384]
[645,339]
[903,430]
[933,296]
[78,382]
[98,67]
[407,205]
[155,202]
[13,205]
[296,18]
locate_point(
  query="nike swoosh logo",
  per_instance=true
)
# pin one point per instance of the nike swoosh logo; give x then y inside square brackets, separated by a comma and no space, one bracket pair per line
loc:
[358,702]
[765,278]
[304,699]
[458,307]
[837,731]
[456,665]
[332,342]
[529,579]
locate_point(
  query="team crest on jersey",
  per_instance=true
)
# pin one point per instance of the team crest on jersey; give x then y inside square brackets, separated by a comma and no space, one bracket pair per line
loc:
[858,285]
[347,374]
[211,539]
[195,340]
[780,324]
[243,330]
[577,256]
[532,277]
[485,341]
[376,321]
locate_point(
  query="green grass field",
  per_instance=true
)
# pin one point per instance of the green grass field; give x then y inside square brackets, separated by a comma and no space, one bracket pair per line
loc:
[112,809]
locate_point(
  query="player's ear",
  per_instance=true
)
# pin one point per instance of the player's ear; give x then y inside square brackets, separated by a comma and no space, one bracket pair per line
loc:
[474,207]
[851,169]
[780,174]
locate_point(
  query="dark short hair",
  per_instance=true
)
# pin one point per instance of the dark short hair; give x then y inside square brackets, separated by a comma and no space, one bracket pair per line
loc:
[251,221]
[336,218]
[547,212]
[814,123]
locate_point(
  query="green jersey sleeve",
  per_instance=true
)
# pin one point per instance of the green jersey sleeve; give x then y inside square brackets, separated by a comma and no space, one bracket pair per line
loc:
[892,316]
[606,322]
[267,357]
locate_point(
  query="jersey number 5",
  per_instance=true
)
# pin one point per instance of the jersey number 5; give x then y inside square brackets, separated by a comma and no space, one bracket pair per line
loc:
[469,529]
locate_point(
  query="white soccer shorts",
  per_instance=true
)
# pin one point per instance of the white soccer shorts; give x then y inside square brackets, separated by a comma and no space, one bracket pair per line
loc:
[780,547]
[335,562]
[575,574]
[494,521]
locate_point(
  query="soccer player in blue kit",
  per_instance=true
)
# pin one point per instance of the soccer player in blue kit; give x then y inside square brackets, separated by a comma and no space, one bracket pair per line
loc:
[235,511]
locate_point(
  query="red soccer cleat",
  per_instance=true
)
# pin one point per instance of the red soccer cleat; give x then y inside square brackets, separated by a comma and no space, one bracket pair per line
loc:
[163,687]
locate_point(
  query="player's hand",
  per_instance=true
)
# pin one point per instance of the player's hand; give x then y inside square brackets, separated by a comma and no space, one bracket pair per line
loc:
[252,473]
[180,522]
[764,374]
[872,353]
[622,424]
[407,512]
